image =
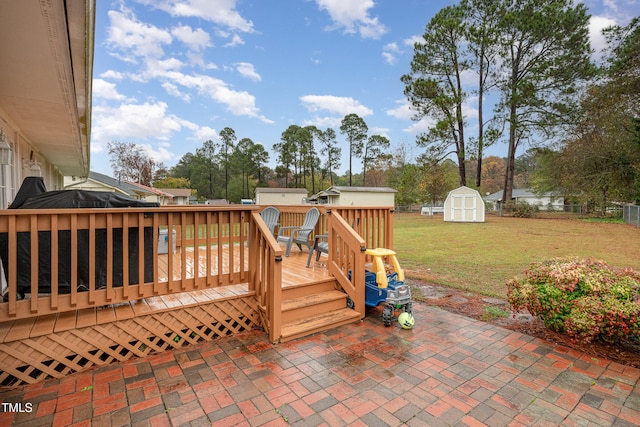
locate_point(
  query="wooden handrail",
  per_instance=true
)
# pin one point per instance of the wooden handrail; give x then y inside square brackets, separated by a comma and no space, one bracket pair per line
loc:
[265,275]
[347,258]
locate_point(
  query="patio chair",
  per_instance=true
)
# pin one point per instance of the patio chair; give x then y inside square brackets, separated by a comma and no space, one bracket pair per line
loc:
[299,234]
[271,215]
[320,246]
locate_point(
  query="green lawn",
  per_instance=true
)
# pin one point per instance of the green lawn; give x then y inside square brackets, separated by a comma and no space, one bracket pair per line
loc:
[482,257]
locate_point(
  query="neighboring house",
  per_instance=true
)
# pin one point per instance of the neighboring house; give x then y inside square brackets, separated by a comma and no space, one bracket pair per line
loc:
[100,182]
[177,196]
[153,194]
[546,201]
[45,92]
[355,196]
[463,204]
[281,196]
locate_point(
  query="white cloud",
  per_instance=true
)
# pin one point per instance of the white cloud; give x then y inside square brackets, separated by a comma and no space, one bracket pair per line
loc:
[135,38]
[469,78]
[248,70]
[404,112]
[353,16]
[174,91]
[196,40]
[411,41]
[335,104]
[159,153]
[239,103]
[598,41]
[389,52]
[379,131]
[221,12]
[324,122]
[235,41]
[139,121]
[421,126]
[106,90]
[113,75]
[136,122]
[156,67]
[205,133]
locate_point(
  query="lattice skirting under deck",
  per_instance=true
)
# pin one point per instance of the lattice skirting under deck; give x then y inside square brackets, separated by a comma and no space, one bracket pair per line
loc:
[59,354]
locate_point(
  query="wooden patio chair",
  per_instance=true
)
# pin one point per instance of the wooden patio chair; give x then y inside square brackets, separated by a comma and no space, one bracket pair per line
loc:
[299,235]
[271,215]
[320,246]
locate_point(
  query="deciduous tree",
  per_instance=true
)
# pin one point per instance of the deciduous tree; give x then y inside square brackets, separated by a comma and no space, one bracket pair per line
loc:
[130,162]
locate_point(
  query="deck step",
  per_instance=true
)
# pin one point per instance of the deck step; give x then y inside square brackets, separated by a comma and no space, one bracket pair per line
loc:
[313,324]
[303,289]
[313,305]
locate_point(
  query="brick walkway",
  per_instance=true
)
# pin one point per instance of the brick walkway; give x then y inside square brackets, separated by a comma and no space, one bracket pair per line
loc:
[448,370]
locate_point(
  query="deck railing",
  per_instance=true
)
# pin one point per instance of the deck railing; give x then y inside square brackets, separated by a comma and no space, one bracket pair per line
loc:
[373,223]
[346,258]
[70,259]
[266,276]
[63,260]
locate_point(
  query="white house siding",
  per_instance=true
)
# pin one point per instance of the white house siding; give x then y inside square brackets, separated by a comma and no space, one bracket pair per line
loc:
[280,196]
[357,196]
[525,195]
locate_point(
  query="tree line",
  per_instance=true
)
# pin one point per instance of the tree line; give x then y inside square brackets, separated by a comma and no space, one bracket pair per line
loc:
[231,169]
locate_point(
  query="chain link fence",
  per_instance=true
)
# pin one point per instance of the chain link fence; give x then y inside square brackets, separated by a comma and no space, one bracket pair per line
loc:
[631,214]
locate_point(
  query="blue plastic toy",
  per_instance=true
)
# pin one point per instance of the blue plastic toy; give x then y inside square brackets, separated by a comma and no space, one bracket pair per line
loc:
[385,284]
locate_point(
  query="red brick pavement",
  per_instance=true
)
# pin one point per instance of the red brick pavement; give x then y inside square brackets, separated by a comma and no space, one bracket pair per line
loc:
[447,370]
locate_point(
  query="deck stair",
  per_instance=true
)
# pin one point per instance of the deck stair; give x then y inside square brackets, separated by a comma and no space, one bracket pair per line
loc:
[314,307]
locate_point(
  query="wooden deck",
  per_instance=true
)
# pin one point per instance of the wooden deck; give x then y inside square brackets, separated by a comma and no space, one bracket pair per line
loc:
[294,273]
[57,344]
[294,269]
[109,296]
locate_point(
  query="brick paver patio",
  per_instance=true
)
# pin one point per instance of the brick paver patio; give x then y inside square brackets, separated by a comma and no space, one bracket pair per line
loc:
[447,370]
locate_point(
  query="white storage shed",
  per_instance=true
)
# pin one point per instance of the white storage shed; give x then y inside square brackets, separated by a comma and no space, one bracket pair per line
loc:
[464,204]
[280,196]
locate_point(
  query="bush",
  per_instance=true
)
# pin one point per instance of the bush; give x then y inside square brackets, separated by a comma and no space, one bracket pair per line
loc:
[521,209]
[586,299]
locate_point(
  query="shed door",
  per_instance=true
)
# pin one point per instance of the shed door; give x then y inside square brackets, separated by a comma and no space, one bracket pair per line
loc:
[463,208]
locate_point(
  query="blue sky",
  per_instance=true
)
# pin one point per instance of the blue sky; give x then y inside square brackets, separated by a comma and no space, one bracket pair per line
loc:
[170,74]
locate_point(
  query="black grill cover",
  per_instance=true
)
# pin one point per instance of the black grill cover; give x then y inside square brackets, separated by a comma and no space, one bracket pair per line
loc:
[33,198]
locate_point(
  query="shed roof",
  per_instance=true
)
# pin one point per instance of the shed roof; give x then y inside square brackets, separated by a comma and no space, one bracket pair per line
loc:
[337,189]
[281,190]
[464,189]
